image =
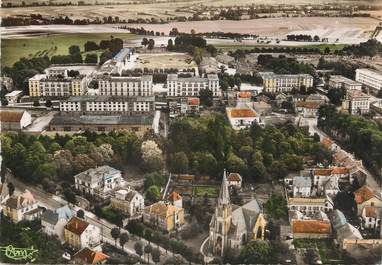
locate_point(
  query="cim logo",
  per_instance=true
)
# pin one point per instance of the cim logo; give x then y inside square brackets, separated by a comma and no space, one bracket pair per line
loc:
[13,253]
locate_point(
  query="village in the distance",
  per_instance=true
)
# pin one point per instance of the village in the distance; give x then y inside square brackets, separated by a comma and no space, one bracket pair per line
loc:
[191,133]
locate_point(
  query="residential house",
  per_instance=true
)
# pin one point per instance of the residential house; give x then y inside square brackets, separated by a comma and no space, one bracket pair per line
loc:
[364,196]
[79,234]
[242,117]
[164,216]
[371,217]
[22,207]
[175,199]
[302,186]
[311,229]
[307,109]
[189,105]
[234,179]
[53,222]
[309,206]
[88,256]
[14,120]
[129,201]
[99,181]
[13,96]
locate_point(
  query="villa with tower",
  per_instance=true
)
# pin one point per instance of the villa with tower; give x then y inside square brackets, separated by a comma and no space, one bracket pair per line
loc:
[233,226]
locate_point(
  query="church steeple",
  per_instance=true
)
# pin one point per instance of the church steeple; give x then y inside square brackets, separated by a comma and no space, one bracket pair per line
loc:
[224,193]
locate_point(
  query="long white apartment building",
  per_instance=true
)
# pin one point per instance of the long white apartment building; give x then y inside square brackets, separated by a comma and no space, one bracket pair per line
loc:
[126,86]
[370,78]
[108,105]
[191,86]
[57,83]
[339,81]
[274,83]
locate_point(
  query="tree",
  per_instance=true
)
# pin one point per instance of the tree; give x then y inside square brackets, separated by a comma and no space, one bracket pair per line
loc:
[170,45]
[206,97]
[153,193]
[145,42]
[138,247]
[276,207]
[148,249]
[74,50]
[123,239]
[48,103]
[70,196]
[155,254]
[91,58]
[104,44]
[152,155]
[179,163]
[116,44]
[115,232]
[81,214]
[90,46]
[151,44]
[154,178]
[256,252]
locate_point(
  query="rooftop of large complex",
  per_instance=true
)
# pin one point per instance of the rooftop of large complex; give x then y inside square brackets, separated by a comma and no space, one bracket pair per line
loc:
[96,174]
[342,79]
[175,77]
[273,75]
[97,98]
[122,54]
[370,71]
[127,78]
[102,120]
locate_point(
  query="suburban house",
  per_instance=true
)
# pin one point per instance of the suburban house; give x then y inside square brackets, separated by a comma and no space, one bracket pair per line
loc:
[129,201]
[99,181]
[302,186]
[234,179]
[371,217]
[13,96]
[310,205]
[307,109]
[88,256]
[311,229]
[14,120]
[175,199]
[364,196]
[322,175]
[79,234]
[53,222]
[242,117]
[22,207]
[164,216]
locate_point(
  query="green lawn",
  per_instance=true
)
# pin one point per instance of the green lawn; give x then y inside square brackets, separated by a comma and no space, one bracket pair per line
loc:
[14,49]
[211,192]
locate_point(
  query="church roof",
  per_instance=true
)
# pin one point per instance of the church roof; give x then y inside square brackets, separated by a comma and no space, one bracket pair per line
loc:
[224,193]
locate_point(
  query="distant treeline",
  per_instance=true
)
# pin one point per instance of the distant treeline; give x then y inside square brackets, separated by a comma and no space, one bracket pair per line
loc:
[302,37]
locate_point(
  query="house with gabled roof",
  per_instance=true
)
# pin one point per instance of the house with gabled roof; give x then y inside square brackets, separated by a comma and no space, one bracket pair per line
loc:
[364,196]
[164,216]
[22,207]
[129,201]
[88,256]
[371,217]
[53,222]
[79,234]
[234,179]
[311,229]
[175,199]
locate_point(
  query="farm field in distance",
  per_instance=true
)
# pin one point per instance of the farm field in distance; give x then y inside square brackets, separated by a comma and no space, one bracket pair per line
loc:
[322,47]
[169,60]
[55,44]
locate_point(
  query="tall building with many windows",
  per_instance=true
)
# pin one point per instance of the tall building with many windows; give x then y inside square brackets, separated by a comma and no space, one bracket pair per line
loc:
[126,86]
[370,78]
[191,86]
[274,83]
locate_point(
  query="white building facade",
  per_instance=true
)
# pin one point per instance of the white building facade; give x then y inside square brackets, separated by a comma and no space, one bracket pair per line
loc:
[370,78]
[126,86]
[191,86]
[274,83]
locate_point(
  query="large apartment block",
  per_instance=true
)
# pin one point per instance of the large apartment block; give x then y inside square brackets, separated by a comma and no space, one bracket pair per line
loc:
[126,86]
[108,105]
[191,86]
[274,83]
[57,83]
[370,78]
[339,81]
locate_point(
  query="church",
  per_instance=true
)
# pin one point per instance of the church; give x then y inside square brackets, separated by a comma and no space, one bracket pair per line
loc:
[233,226]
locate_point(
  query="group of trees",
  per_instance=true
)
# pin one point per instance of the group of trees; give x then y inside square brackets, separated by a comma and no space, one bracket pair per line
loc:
[344,68]
[284,65]
[302,37]
[354,133]
[370,48]
[148,42]
[49,160]
[208,145]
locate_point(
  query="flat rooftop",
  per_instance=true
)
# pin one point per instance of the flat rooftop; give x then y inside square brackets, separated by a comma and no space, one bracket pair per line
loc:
[89,98]
[102,120]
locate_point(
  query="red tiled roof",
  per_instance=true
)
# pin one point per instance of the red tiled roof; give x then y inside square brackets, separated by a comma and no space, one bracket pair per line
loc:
[88,256]
[311,227]
[326,142]
[242,113]
[193,101]
[308,104]
[11,116]
[340,170]
[174,197]
[363,194]
[76,225]
[245,95]
[323,172]
[234,177]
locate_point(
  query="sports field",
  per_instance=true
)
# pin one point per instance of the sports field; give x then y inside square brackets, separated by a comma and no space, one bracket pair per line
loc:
[53,44]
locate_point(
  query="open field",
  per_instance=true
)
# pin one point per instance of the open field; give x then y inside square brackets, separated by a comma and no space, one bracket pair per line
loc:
[168,60]
[322,47]
[14,49]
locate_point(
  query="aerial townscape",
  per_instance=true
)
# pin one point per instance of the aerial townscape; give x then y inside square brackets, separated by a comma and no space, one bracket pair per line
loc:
[191,132]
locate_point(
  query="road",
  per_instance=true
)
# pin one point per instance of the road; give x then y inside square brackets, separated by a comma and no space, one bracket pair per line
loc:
[52,202]
[370,180]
